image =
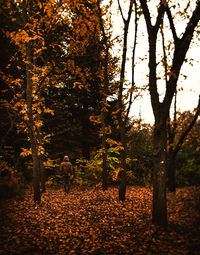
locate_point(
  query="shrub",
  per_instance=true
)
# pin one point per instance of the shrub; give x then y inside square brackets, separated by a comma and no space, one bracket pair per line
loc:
[189,174]
[89,172]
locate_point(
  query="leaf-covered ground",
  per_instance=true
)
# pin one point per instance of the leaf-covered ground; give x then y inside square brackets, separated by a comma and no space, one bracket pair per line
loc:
[91,221]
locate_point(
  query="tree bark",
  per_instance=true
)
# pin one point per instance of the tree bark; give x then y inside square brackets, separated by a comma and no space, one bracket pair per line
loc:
[36,174]
[42,175]
[104,155]
[42,170]
[30,123]
[85,122]
[122,185]
[159,214]
[121,119]
[105,64]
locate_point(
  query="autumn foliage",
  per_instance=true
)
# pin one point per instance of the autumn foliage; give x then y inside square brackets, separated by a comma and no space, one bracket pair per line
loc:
[90,221]
[61,79]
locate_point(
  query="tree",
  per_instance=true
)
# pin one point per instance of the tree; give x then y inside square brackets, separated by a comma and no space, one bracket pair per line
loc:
[30,37]
[161,109]
[105,46]
[120,105]
[122,111]
[107,74]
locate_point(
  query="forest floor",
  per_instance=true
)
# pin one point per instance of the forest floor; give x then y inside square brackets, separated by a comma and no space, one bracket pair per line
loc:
[90,221]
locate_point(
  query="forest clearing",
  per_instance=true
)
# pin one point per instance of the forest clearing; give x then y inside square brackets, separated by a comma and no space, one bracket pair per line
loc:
[90,221]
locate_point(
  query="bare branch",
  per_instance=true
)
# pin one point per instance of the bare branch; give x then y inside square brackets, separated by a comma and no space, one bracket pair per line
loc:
[164,53]
[146,14]
[133,63]
[187,36]
[159,19]
[121,12]
[171,22]
[183,136]
[181,48]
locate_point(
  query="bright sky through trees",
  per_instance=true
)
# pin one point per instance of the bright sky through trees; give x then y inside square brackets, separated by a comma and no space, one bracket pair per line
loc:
[189,82]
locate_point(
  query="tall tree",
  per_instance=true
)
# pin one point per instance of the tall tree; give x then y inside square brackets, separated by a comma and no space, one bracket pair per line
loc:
[121,116]
[34,21]
[104,98]
[106,76]
[161,109]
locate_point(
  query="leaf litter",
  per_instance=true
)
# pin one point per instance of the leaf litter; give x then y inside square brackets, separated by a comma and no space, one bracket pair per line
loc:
[90,221]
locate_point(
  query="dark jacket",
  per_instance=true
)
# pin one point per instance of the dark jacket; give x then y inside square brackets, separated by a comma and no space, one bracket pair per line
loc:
[66,168]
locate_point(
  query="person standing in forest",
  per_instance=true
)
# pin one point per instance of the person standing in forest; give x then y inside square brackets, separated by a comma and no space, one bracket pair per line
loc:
[66,173]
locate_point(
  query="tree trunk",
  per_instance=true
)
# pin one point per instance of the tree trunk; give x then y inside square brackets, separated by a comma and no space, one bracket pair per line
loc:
[121,106]
[104,156]
[159,215]
[106,45]
[42,169]
[122,185]
[42,175]
[85,122]
[30,124]
[36,175]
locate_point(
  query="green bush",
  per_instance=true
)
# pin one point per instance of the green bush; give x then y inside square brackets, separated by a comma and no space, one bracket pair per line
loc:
[140,152]
[89,172]
[189,174]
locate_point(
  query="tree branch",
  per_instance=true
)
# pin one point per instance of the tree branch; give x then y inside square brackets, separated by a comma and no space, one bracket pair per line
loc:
[164,53]
[159,19]
[133,64]
[146,14]
[187,36]
[181,48]
[121,12]
[172,128]
[183,136]
[171,22]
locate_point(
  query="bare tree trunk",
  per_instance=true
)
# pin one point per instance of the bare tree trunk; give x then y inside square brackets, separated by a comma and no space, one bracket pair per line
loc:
[42,175]
[104,155]
[85,123]
[122,185]
[42,170]
[36,174]
[105,92]
[159,214]
[121,119]
[30,123]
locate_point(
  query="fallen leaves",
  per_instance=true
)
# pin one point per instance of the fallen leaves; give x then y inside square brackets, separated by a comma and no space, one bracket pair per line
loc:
[91,221]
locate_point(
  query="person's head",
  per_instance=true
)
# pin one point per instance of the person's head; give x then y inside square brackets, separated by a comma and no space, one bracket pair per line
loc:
[66,158]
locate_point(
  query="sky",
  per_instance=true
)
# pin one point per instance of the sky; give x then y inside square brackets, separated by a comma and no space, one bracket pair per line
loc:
[186,99]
